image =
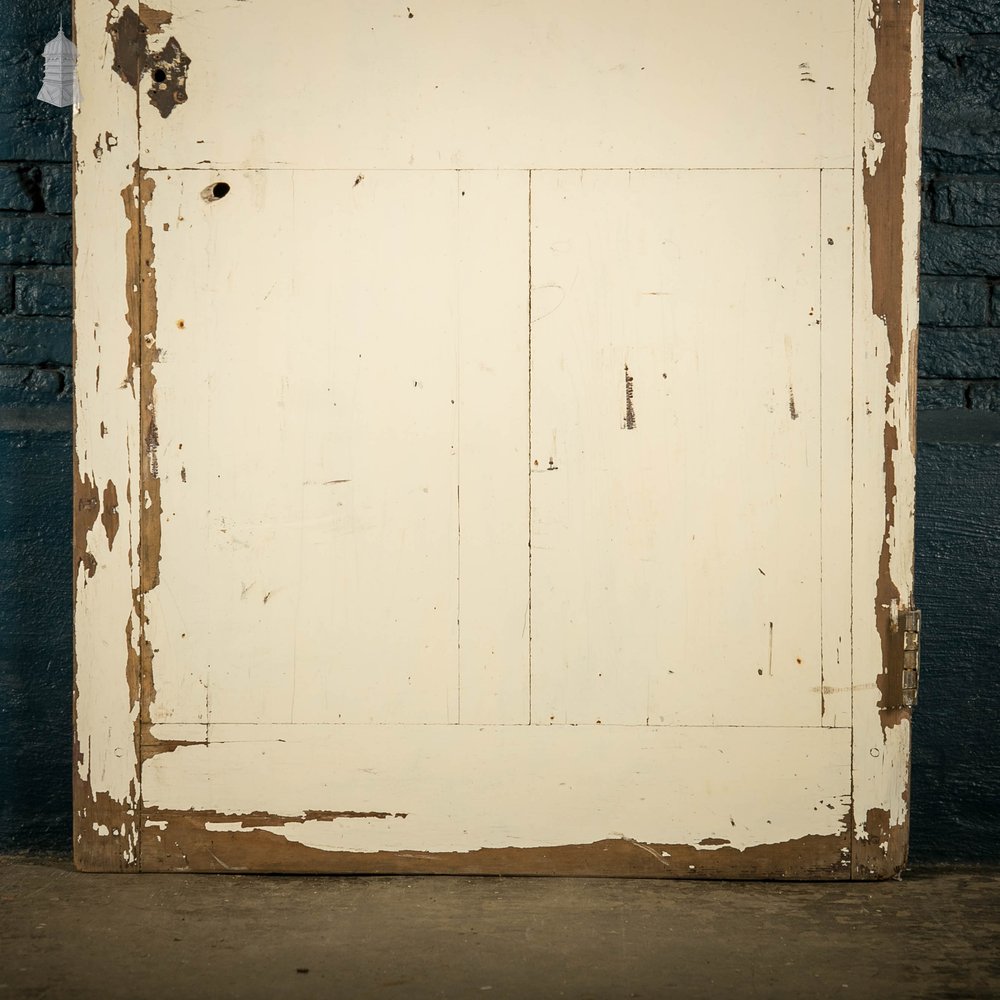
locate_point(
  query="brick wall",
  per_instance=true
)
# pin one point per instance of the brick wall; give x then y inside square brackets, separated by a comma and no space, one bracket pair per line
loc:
[956,759]
[35,445]
[960,294]
[956,753]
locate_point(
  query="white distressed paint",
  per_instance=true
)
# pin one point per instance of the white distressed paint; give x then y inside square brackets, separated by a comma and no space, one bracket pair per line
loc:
[106,421]
[881,757]
[835,316]
[676,573]
[345,454]
[511,84]
[466,787]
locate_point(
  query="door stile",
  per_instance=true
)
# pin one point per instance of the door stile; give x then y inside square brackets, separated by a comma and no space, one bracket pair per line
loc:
[887,214]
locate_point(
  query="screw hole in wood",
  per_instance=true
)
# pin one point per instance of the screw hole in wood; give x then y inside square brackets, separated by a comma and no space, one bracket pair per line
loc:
[214,192]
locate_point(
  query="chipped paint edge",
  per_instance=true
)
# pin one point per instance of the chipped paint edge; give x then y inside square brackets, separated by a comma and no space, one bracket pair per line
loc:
[206,842]
[106,689]
[887,199]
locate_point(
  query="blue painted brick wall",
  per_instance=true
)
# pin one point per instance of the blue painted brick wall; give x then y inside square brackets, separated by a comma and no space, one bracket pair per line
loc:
[35,439]
[956,752]
[956,756]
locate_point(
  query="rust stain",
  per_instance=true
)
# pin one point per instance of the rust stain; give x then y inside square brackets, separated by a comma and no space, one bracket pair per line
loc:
[109,516]
[86,510]
[184,844]
[884,194]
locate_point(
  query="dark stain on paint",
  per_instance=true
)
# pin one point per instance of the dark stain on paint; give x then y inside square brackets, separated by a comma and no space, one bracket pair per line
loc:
[133,55]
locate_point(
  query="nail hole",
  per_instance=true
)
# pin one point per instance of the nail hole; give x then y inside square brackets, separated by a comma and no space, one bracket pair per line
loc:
[160,75]
[215,191]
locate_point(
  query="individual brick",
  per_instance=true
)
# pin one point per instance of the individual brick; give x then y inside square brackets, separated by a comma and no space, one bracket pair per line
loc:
[36,340]
[57,188]
[985,396]
[35,239]
[44,291]
[967,201]
[959,250]
[962,16]
[954,302]
[959,354]
[940,394]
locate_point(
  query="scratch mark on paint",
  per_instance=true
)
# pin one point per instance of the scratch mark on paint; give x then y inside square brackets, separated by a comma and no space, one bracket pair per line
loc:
[652,852]
[791,404]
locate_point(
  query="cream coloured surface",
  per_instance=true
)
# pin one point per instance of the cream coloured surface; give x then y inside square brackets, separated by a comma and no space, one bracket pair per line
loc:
[676,572]
[106,410]
[882,755]
[359,84]
[466,787]
[836,246]
[341,545]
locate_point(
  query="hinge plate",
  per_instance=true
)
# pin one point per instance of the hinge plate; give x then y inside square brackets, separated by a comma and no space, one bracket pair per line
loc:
[909,631]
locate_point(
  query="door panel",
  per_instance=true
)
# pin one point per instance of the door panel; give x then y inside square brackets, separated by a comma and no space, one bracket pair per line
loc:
[677,442]
[313,535]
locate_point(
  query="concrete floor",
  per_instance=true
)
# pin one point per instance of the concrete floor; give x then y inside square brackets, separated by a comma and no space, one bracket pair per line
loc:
[62,934]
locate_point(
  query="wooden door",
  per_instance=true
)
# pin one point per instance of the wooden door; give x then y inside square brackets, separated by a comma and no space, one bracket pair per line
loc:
[494,436]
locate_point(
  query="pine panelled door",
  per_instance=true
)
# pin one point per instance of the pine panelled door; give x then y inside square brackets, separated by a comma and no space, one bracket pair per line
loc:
[494,436]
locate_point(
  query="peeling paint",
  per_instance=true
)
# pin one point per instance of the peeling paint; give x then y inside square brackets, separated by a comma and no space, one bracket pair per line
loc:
[128,37]
[186,844]
[169,75]
[94,812]
[133,56]
[87,505]
[877,851]
[109,515]
[884,195]
[141,316]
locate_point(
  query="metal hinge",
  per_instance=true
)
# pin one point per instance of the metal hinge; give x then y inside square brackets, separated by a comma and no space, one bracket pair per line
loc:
[908,626]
